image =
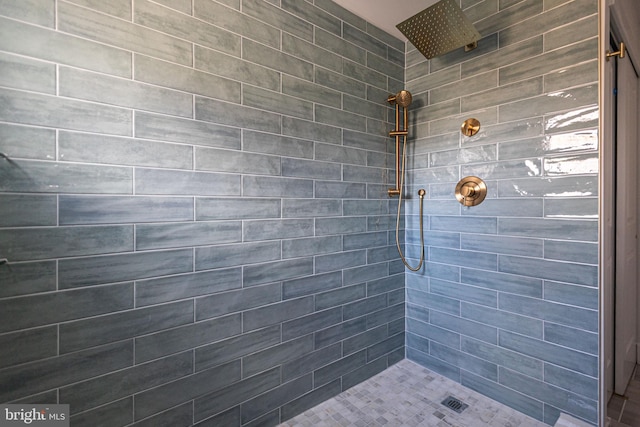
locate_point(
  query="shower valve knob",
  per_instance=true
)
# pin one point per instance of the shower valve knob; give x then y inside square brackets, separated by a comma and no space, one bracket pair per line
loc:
[471,191]
[467,191]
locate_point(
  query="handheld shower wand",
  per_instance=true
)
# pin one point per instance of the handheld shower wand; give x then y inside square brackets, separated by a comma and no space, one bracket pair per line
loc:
[403,99]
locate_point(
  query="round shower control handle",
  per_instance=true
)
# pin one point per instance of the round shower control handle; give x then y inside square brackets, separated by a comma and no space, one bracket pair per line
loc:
[467,190]
[471,191]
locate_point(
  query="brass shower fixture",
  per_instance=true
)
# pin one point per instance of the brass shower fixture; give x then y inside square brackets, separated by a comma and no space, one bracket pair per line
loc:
[403,99]
[439,29]
[471,191]
[470,127]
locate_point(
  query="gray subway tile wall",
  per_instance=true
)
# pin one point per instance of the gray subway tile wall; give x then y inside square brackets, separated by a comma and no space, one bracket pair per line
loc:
[194,209]
[508,302]
[196,216]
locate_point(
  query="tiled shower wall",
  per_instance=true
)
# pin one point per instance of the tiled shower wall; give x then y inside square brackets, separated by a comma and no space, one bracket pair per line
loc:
[508,302]
[194,208]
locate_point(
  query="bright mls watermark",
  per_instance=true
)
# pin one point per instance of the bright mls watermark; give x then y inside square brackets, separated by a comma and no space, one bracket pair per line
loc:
[34,415]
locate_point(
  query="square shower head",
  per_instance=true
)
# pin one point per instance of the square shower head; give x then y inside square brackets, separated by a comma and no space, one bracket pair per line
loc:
[439,29]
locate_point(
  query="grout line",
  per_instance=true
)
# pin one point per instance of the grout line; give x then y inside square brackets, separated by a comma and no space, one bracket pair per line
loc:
[624,404]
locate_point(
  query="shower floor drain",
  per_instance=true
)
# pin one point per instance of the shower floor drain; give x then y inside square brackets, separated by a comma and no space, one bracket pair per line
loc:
[455,404]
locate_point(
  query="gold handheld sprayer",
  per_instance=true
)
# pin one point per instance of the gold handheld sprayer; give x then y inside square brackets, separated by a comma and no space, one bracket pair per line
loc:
[403,99]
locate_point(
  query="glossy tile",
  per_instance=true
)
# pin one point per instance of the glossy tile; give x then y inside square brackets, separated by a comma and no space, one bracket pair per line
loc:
[276,313]
[41,13]
[573,165]
[94,392]
[573,338]
[237,346]
[122,210]
[276,397]
[171,394]
[270,229]
[55,372]
[170,341]
[125,35]
[308,51]
[28,210]
[311,169]
[209,208]
[213,159]
[277,102]
[564,357]
[579,75]
[55,307]
[576,31]
[185,79]
[27,142]
[44,110]
[260,142]
[172,182]
[585,408]
[165,236]
[119,8]
[344,295]
[571,251]
[87,148]
[237,300]
[89,271]
[232,114]
[310,130]
[306,246]
[23,244]
[27,74]
[570,294]
[235,254]
[100,330]
[548,311]
[509,359]
[570,186]
[548,62]
[27,278]
[234,394]
[232,20]
[276,271]
[182,26]
[173,129]
[568,99]
[585,140]
[27,346]
[540,23]
[182,286]
[549,228]
[64,48]
[311,285]
[277,60]
[580,274]
[340,46]
[46,177]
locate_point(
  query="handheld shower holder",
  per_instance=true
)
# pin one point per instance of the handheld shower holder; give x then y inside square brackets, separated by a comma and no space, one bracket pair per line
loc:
[401,99]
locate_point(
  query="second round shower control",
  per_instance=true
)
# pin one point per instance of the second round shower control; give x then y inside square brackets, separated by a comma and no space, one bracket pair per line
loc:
[471,191]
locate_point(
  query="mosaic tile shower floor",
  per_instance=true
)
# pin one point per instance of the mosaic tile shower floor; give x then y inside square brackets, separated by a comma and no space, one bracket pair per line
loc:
[408,395]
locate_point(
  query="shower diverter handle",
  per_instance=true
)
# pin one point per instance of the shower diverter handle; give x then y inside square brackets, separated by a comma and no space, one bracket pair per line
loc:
[468,190]
[471,191]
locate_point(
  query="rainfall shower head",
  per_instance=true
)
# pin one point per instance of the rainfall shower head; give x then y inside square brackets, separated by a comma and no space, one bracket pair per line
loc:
[439,29]
[402,98]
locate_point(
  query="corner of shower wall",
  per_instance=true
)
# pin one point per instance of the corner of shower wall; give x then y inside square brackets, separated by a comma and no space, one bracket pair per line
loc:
[508,302]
